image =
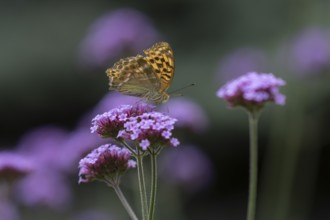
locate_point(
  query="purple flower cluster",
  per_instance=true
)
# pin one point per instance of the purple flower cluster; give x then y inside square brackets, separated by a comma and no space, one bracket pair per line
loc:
[136,123]
[110,123]
[45,146]
[188,167]
[45,188]
[105,163]
[240,61]
[117,32]
[13,166]
[253,90]
[311,51]
[149,129]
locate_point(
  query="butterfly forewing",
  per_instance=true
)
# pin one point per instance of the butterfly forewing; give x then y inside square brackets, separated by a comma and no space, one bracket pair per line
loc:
[160,57]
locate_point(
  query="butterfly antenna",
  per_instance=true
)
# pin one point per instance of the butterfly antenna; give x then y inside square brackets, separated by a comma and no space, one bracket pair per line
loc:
[177,90]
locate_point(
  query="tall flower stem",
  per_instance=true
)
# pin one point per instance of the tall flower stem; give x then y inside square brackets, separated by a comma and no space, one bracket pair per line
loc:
[124,202]
[142,185]
[253,129]
[153,184]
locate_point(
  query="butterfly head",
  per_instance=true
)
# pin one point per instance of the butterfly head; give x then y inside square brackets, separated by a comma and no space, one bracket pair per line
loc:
[164,98]
[157,98]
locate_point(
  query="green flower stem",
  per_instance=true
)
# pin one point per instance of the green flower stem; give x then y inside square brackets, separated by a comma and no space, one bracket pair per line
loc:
[127,146]
[124,202]
[142,186]
[153,185]
[253,127]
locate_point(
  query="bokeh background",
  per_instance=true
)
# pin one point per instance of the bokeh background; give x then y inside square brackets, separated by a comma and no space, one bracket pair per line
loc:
[53,56]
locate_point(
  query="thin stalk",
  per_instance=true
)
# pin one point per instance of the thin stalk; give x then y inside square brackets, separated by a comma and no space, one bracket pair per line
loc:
[253,129]
[128,147]
[153,185]
[124,202]
[142,186]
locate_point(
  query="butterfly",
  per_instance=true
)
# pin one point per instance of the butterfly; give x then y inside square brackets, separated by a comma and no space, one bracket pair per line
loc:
[147,76]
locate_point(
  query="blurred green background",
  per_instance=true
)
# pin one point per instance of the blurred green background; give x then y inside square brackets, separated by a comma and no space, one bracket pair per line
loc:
[42,82]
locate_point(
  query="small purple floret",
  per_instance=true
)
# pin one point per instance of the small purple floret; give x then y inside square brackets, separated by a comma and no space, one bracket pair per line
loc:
[175,142]
[166,134]
[145,144]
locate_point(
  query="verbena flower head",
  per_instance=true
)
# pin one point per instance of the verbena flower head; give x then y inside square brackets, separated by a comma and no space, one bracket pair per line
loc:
[253,90]
[44,145]
[45,188]
[13,166]
[311,51]
[188,167]
[240,61]
[105,163]
[150,129]
[120,31]
[110,123]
